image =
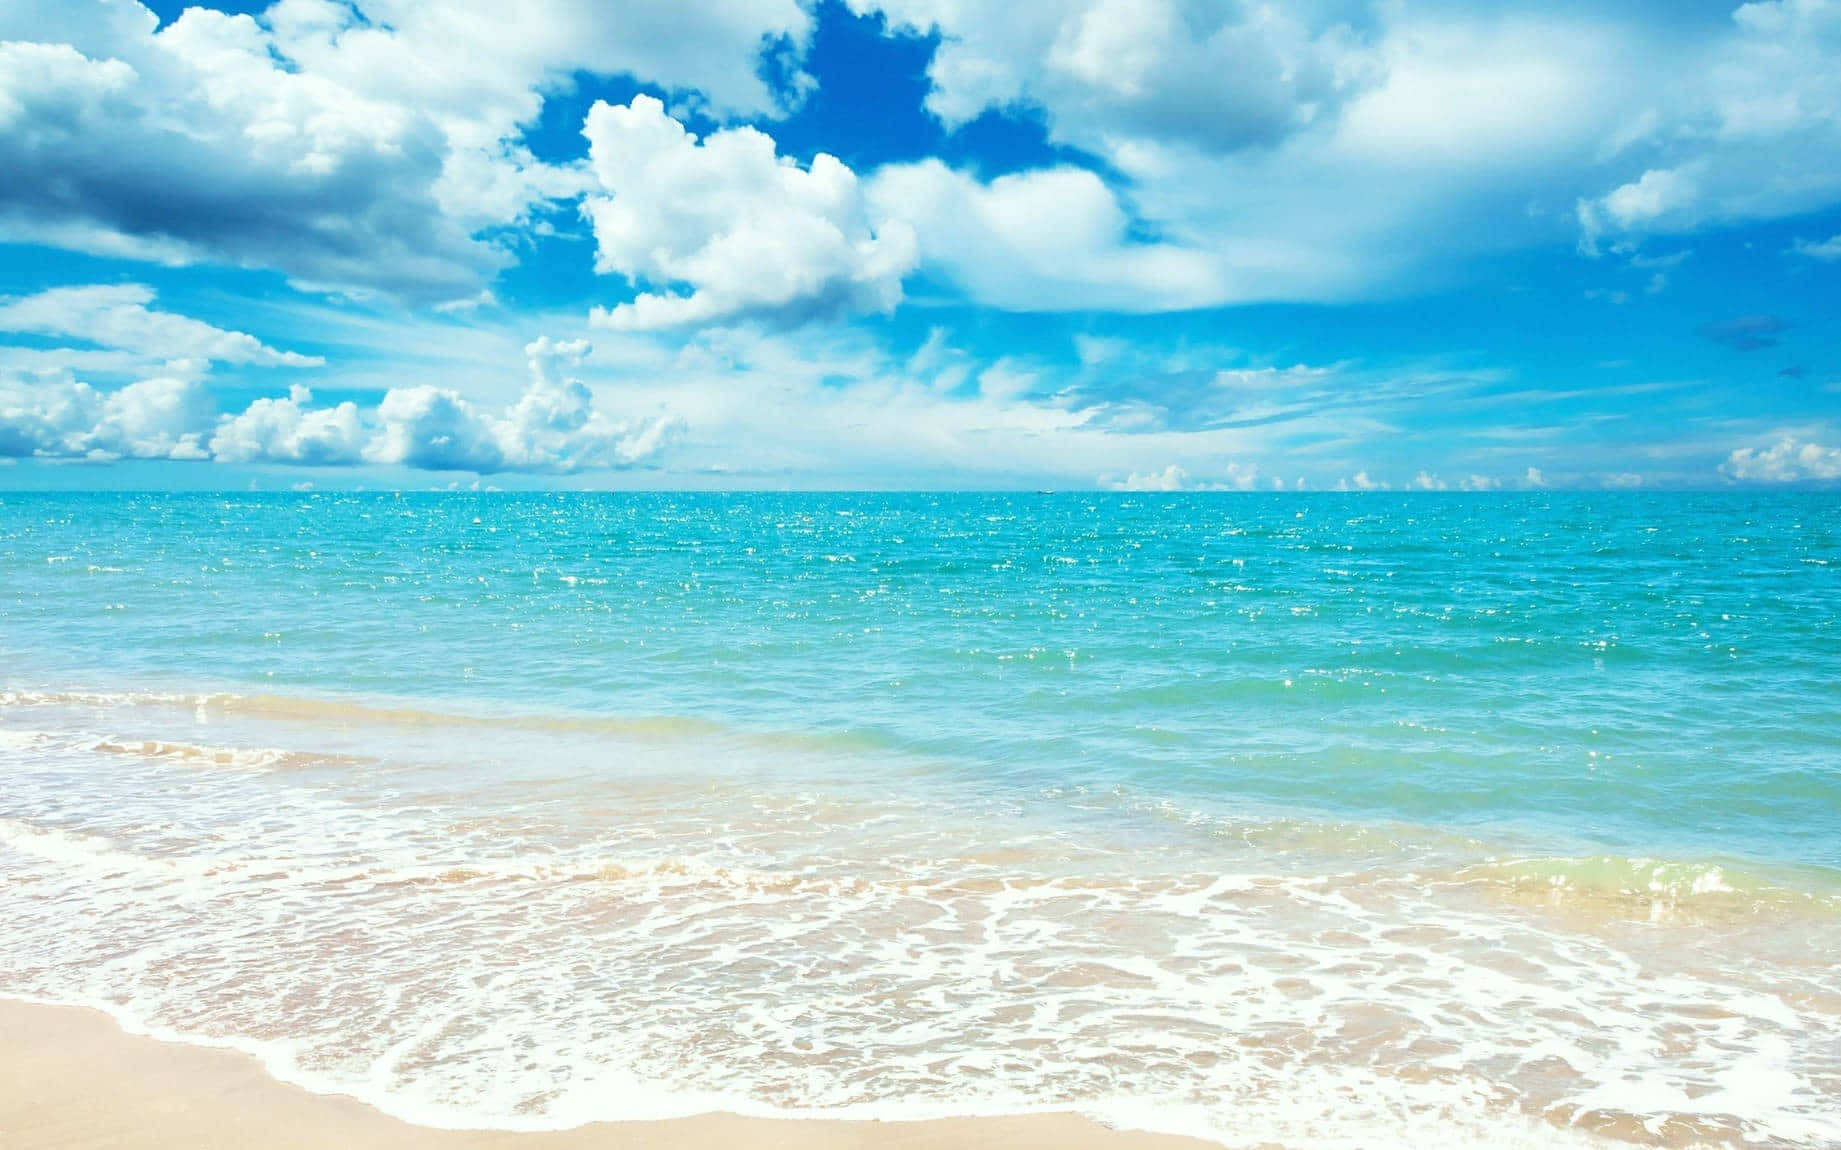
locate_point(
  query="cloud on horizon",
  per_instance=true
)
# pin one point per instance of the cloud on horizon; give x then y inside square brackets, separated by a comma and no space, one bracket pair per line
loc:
[552,428]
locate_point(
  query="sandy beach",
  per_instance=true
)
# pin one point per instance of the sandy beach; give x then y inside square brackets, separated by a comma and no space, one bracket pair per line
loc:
[71,1078]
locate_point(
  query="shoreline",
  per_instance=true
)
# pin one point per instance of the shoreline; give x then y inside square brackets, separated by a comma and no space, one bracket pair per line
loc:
[74,1079]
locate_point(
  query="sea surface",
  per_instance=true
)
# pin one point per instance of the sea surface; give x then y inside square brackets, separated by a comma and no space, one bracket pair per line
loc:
[1315,821]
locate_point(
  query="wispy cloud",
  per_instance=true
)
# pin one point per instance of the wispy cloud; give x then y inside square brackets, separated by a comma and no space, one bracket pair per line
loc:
[119,317]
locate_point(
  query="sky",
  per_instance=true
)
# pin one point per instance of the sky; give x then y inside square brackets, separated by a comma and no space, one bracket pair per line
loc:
[927,244]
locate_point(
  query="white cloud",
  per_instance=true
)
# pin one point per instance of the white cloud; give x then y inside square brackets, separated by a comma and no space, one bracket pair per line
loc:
[1171,478]
[1451,135]
[155,418]
[433,429]
[1828,250]
[117,316]
[470,54]
[282,431]
[751,233]
[554,425]
[1233,476]
[200,140]
[1249,151]
[355,146]
[1752,137]
[1043,240]
[1352,149]
[1788,460]
[1215,77]
[150,419]
[1656,194]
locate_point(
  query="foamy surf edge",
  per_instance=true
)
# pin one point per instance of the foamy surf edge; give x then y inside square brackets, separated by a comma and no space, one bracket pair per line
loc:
[640,1102]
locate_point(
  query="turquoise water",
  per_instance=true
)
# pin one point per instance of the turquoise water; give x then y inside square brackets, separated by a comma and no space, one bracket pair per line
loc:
[1597,733]
[1638,673]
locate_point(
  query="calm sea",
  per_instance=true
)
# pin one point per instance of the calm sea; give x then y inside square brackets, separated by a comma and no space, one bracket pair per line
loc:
[1310,820]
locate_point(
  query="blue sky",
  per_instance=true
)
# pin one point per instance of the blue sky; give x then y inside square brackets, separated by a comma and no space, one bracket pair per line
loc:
[920,243]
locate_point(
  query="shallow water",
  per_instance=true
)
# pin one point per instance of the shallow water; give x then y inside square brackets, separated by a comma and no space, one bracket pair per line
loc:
[1311,820]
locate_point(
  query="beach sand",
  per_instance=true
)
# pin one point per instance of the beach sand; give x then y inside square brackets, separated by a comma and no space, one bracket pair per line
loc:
[71,1077]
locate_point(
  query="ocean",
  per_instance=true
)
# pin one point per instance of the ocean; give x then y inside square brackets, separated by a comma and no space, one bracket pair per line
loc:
[1315,820]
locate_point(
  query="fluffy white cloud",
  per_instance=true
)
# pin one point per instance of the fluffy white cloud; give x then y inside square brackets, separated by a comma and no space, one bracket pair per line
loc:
[1790,459]
[433,429]
[1754,137]
[283,431]
[1171,478]
[1463,135]
[1215,76]
[751,233]
[151,419]
[1233,477]
[552,427]
[117,316]
[353,145]
[1043,240]
[1334,150]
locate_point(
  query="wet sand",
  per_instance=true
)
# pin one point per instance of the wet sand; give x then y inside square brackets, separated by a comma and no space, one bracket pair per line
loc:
[71,1078]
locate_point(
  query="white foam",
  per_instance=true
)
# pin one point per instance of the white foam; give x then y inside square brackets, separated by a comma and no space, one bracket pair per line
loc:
[463,953]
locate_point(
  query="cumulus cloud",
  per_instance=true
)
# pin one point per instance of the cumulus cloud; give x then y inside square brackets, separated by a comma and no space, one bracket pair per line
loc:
[1171,478]
[1246,151]
[1049,239]
[552,427]
[117,316]
[353,145]
[284,431]
[749,232]
[434,429]
[150,419]
[1789,460]
[1657,194]
[1327,152]
[202,144]
[1442,141]
[555,426]
[1232,476]
[1216,76]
